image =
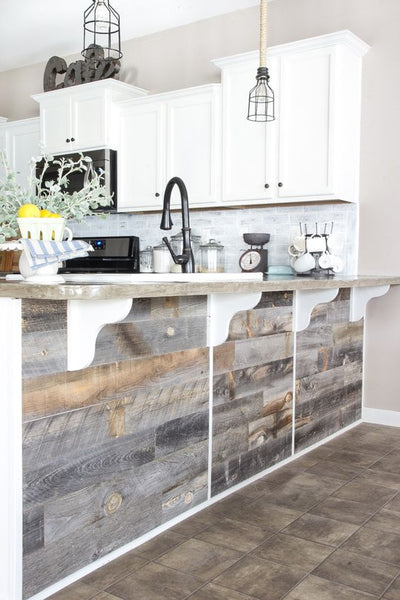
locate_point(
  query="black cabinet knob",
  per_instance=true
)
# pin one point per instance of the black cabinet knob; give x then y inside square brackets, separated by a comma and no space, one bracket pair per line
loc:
[280,184]
[266,186]
[157,194]
[68,140]
[72,139]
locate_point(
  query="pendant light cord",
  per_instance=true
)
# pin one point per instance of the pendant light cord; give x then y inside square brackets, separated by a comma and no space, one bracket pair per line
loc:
[263,33]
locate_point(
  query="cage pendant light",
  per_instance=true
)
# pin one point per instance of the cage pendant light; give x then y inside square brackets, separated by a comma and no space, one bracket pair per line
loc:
[101,28]
[261,97]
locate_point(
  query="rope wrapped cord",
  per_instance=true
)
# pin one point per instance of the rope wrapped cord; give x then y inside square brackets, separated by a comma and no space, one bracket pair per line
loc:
[263,33]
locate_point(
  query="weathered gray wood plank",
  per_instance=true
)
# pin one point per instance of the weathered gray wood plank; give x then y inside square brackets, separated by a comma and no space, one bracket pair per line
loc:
[329,373]
[252,392]
[127,436]
[47,395]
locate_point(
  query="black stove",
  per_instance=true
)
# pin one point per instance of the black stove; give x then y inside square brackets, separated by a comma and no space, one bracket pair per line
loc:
[112,254]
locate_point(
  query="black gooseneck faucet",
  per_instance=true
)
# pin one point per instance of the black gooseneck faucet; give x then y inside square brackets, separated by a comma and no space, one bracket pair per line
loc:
[185,259]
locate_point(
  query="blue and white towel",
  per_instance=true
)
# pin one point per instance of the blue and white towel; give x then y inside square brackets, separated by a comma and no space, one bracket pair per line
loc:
[40,253]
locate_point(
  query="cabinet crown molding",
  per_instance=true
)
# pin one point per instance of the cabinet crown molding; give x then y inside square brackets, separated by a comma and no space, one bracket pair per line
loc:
[172,94]
[117,90]
[345,37]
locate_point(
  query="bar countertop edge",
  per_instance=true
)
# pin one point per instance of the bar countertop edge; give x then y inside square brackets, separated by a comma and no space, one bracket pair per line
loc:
[104,291]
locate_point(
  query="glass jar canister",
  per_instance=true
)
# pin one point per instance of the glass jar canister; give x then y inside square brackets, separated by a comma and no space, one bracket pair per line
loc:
[161,259]
[176,244]
[146,260]
[177,247]
[212,257]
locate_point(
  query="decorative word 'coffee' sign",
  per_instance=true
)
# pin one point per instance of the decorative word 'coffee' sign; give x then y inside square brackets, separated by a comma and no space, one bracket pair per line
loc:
[93,68]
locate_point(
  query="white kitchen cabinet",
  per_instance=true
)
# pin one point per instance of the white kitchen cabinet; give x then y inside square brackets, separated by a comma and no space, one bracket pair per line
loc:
[20,142]
[83,116]
[167,135]
[3,142]
[141,161]
[311,151]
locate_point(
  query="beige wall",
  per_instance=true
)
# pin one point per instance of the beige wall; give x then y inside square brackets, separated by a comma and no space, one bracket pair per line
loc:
[180,58]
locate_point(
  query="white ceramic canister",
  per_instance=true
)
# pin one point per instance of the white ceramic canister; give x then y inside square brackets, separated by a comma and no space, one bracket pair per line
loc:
[161,259]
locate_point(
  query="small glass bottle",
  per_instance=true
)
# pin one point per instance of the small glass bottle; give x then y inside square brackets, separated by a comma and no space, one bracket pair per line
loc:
[146,260]
[161,259]
[212,257]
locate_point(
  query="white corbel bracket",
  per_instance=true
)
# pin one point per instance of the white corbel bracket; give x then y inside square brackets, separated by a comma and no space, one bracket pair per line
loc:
[221,308]
[85,319]
[360,297]
[306,301]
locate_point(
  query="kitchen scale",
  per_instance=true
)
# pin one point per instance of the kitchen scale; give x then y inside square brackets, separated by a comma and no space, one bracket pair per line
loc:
[255,260]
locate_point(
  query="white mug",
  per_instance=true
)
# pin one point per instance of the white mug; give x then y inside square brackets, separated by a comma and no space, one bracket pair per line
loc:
[293,251]
[316,243]
[299,243]
[304,263]
[325,261]
[69,234]
[337,264]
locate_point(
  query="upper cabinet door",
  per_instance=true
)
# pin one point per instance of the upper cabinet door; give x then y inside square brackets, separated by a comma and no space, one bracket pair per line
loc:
[305,165]
[73,123]
[246,145]
[141,160]
[170,135]
[55,125]
[82,116]
[3,146]
[311,151]
[20,142]
[89,122]
[192,149]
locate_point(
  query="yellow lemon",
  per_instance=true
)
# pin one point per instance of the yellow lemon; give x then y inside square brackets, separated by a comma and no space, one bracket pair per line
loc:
[55,216]
[44,213]
[28,210]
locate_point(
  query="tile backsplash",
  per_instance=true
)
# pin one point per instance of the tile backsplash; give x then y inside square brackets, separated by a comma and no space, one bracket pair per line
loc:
[228,226]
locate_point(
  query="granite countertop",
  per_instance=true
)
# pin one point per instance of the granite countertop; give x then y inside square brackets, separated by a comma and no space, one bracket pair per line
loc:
[104,290]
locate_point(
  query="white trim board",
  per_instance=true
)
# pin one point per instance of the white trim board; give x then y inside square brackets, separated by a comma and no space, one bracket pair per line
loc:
[381,417]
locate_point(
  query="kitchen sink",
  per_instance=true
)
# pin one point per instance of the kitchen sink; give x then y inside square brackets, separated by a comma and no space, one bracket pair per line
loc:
[140,278]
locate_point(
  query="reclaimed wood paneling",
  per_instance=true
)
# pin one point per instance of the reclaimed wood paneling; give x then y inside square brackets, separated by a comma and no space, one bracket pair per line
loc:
[44,337]
[328,372]
[178,371]
[252,392]
[112,451]
[154,326]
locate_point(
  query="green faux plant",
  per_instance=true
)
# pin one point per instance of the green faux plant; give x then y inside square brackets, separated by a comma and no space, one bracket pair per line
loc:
[50,195]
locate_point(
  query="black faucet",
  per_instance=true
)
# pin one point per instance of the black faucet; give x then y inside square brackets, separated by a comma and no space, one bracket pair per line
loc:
[185,259]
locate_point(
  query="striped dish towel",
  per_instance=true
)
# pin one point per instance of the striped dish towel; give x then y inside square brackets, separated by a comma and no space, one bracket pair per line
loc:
[40,253]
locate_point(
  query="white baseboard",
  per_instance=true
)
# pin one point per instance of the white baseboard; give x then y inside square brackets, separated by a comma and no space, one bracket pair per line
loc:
[381,417]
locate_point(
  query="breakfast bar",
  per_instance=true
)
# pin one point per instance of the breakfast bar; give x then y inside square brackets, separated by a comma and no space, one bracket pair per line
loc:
[139,402]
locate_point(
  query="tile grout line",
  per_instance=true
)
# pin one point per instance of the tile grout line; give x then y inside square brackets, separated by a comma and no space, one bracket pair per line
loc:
[396,492]
[280,531]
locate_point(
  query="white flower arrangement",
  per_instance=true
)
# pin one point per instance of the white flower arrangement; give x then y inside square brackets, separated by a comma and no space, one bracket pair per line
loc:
[50,195]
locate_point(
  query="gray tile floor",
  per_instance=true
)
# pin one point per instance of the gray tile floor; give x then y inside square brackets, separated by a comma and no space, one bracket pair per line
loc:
[324,527]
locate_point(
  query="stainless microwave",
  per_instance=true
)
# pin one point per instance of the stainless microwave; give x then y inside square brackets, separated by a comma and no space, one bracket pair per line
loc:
[104,163]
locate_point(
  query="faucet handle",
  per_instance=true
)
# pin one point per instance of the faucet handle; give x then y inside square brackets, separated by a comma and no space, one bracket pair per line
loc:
[178,259]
